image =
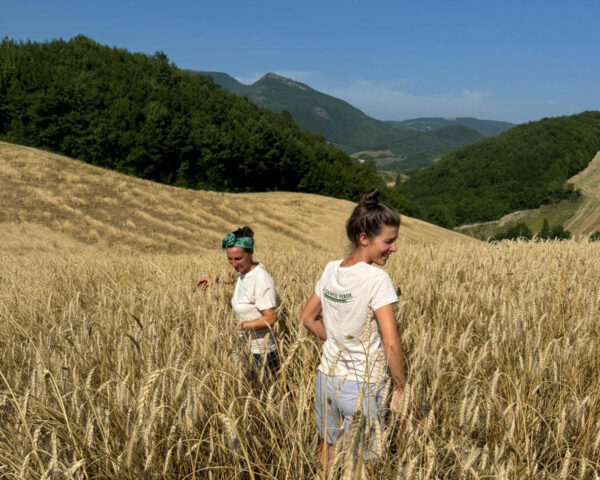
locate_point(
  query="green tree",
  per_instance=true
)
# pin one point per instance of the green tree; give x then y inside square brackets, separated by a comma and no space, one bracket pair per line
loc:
[559,233]
[545,231]
[141,115]
[595,237]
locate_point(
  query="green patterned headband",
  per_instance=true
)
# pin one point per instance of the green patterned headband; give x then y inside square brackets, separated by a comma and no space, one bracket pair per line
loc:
[242,242]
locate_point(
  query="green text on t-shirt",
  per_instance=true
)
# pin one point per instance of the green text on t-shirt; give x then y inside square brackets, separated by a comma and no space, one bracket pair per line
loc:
[337,297]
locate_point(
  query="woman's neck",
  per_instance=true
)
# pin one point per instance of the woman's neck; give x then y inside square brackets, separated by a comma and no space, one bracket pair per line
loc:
[359,255]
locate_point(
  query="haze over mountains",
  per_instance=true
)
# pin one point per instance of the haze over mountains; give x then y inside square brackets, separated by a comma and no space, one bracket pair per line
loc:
[486,128]
[394,145]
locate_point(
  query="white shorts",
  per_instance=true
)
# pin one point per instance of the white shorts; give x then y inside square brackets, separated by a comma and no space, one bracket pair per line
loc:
[336,402]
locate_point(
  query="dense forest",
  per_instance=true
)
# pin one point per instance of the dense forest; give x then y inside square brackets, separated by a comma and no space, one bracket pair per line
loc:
[522,168]
[141,115]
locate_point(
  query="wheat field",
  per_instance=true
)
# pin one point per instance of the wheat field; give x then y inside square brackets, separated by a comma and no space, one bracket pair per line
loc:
[113,366]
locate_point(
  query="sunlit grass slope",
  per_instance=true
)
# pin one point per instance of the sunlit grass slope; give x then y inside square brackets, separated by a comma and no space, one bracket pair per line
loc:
[47,196]
[587,218]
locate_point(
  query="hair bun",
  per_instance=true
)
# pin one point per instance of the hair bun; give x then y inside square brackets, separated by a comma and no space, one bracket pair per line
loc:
[370,198]
[245,231]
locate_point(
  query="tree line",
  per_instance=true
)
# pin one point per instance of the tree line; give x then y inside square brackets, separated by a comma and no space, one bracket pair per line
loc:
[521,231]
[141,115]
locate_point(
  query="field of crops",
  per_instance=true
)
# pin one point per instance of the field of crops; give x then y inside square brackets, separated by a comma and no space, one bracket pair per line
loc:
[112,366]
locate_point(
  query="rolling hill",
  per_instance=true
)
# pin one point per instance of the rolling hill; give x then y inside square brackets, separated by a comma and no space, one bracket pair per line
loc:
[349,128]
[141,115]
[56,204]
[521,169]
[485,128]
[580,216]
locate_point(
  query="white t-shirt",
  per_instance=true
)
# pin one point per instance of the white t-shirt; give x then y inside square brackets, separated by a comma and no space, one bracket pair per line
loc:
[254,292]
[349,296]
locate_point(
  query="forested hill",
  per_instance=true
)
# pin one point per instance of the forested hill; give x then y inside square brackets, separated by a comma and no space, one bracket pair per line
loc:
[522,168]
[141,115]
[349,128]
[337,120]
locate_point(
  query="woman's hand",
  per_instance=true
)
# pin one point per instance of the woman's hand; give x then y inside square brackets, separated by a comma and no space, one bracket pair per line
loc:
[203,284]
[406,411]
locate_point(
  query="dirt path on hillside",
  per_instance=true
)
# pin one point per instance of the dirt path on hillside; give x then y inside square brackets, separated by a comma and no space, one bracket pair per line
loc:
[587,218]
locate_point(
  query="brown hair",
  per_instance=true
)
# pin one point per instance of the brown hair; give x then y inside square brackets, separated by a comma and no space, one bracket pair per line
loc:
[245,231]
[369,217]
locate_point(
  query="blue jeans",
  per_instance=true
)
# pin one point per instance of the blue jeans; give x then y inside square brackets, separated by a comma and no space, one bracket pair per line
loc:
[271,362]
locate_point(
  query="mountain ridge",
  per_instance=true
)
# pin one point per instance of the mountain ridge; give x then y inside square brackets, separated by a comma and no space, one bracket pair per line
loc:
[344,125]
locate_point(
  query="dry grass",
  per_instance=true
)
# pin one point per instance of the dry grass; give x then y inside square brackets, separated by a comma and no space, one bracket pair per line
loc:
[123,213]
[111,366]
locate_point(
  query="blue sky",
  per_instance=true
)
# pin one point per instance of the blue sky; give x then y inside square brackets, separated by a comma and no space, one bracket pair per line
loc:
[505,60]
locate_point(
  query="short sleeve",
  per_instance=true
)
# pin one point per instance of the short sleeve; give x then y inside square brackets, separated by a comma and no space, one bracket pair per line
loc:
[383,292]
[318,287]
[264,293]
[321,282]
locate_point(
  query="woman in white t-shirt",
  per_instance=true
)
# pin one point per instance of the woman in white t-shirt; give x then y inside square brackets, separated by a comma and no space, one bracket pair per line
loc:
[254,299]
[361,340]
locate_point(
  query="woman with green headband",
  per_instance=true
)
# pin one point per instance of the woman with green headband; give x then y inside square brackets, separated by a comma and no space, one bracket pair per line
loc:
[254,298]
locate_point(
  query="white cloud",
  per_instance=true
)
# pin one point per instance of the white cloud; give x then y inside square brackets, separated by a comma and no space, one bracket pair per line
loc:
[394,102]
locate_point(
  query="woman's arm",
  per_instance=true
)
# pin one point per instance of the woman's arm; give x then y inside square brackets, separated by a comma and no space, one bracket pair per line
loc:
[309,315]
[391,346]
[266,320]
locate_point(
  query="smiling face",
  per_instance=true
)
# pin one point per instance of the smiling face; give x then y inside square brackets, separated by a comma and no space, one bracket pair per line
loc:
[378,249]
[239,259]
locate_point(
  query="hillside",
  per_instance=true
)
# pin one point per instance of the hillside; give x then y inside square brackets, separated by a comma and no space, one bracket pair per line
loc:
[348,127]
[427,147]
[139,114]
[586,219]
[520,169]
[485,128]
[580,216]
[52,203]
[337,120]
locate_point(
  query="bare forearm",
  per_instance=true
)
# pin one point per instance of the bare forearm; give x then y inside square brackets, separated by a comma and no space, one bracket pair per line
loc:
[265,321]
[309,316]
[395,361]
[316,327]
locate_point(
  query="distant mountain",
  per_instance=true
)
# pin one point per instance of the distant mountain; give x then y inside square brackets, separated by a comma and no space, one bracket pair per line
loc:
[426,147]
[522,168]
[338,121]
[486,128]
[349,128]
[226,81]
